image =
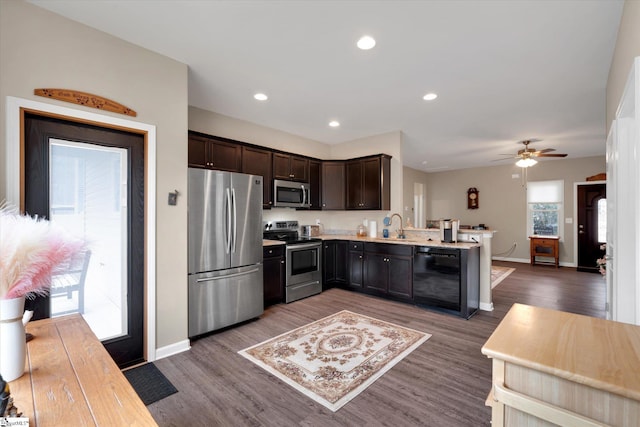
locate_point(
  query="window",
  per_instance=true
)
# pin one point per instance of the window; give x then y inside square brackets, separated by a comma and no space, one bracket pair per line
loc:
[545,208]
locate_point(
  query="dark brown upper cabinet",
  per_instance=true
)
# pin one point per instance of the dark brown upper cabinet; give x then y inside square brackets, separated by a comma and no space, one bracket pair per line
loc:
[368,183]
[256,161]
[315,184]
[212,153]
[290,167]
[333,185]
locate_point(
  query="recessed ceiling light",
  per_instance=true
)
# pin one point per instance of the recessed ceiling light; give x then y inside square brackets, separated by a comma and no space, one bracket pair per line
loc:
[366,42]
[260,96]
[334,123]
[430,97]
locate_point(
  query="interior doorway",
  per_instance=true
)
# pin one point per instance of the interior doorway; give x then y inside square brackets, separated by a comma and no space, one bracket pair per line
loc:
[592,225]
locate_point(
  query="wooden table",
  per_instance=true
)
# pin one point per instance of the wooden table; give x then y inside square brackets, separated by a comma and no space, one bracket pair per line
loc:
[544,246]
[564,368]
[70,379]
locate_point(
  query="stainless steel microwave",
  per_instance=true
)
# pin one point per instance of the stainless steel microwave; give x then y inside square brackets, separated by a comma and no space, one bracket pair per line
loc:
[289,194]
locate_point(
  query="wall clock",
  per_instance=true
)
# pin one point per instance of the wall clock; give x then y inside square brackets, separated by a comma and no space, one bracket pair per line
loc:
[472,198]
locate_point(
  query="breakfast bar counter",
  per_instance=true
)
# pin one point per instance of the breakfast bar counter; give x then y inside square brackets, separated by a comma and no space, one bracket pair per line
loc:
[71,380]
[564,368]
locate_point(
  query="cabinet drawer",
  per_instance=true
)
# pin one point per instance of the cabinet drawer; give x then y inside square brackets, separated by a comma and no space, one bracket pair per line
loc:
[389,249]
[356,246]
[273,251]
[544,242]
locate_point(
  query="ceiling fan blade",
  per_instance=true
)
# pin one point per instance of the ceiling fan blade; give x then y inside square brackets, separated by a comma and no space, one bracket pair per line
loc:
[546,150]
[551,155]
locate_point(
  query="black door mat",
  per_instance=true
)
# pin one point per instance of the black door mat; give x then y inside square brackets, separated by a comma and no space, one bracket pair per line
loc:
[150,384]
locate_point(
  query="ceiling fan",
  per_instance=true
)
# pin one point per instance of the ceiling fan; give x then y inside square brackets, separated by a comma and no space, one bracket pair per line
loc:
[526,156]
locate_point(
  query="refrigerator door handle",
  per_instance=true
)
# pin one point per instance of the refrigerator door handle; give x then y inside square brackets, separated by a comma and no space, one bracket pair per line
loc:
[210,279]
[235,219]
[228,243]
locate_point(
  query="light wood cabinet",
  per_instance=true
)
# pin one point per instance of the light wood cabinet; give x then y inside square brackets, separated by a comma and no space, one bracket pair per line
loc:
[557,368]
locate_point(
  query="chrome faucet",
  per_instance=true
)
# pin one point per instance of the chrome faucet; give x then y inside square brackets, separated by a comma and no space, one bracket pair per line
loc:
[401,230]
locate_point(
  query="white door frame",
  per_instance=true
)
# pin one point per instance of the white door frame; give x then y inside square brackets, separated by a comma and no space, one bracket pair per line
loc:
[13,135]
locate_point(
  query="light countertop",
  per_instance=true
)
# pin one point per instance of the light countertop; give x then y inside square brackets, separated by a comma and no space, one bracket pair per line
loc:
[413,241]
[267,242]
[595,352]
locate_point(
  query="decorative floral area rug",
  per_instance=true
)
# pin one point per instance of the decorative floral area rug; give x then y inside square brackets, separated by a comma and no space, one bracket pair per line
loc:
[334,359]
[498,274]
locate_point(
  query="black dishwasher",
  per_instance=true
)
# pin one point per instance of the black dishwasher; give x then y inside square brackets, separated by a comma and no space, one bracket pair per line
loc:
[447,279]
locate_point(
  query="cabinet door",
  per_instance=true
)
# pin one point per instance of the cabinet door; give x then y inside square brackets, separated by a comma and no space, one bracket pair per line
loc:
[315,184]
[299,169]
[400,277]
[282,166]
[376,272]
[225,156]
[341,261]
[371,183]
[354,185]
[333,185]
[258,162]
[329,261]
[274,276]
[355,269]
[197,155]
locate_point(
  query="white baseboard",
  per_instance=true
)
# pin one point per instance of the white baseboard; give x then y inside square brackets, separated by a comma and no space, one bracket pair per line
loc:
[172,349]
[486,306]
[520,260]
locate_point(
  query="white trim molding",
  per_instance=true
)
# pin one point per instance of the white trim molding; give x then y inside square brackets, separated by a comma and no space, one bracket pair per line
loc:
[172,349]
[13,131]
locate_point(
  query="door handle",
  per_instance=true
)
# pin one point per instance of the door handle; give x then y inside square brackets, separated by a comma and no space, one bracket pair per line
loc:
[235,218]
[210,279]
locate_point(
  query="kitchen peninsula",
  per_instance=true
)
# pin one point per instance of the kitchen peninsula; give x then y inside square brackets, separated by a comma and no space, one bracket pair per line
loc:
[467,238]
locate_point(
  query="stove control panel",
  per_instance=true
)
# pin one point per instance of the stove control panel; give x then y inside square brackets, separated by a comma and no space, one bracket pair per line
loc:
[280,225]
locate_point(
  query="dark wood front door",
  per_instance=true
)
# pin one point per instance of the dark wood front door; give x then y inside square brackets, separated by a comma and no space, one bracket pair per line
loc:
[90,179]
[591,213]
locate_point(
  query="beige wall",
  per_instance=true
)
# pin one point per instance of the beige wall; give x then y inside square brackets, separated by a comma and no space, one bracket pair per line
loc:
[503,199]
[390,143]
[40,49]
[410,177]
[627,48]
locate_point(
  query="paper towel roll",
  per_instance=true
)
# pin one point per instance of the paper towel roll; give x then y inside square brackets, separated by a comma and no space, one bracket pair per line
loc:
[373,229]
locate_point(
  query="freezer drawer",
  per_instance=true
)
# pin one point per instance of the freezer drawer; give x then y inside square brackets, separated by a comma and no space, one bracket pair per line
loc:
[223,298]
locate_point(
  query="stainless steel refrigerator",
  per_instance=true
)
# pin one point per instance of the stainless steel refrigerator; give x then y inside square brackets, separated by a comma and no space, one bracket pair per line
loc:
[225,249]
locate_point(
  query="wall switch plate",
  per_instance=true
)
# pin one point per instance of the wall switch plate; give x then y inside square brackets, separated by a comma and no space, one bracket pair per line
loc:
[173,199]
[568,220]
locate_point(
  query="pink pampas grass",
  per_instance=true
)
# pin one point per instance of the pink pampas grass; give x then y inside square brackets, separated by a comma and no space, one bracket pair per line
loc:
[31,250]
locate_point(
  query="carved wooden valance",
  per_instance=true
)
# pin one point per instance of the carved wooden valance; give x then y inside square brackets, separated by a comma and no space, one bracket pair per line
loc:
[86,99]
[598,177]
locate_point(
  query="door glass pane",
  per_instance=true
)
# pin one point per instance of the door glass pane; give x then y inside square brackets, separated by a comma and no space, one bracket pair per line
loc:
[88,193]
[602,220]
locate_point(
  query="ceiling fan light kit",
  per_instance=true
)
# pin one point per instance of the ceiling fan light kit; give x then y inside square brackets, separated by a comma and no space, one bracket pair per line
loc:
[526,156]
[525,163]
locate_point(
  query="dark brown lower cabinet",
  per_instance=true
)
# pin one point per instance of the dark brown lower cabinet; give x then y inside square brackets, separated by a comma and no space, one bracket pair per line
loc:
[335,263]
[356,265]
[274,273]
[388,270]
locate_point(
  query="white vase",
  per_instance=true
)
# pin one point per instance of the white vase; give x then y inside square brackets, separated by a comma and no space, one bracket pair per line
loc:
[13,347]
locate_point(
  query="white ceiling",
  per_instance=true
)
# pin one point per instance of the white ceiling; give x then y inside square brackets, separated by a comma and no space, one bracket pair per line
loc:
[503,70]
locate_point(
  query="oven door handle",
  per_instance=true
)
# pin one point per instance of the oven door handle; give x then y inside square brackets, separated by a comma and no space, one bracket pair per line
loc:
[297,246]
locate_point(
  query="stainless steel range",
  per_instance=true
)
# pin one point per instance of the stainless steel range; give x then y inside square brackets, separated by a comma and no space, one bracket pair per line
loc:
[303,259]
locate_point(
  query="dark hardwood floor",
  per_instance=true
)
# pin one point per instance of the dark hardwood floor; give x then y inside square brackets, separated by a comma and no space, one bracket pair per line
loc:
[444,382]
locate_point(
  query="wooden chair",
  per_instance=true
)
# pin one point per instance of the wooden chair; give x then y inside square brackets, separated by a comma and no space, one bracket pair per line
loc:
[70,280]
